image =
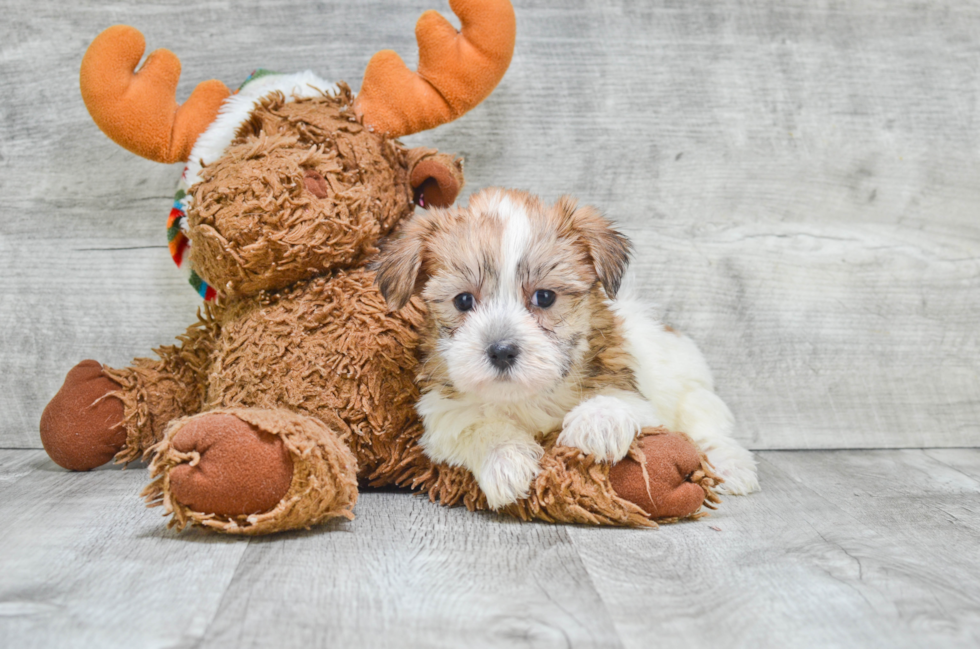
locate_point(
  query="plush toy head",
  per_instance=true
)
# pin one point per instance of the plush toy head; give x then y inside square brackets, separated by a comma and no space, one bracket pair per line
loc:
[303,188]
[286,179]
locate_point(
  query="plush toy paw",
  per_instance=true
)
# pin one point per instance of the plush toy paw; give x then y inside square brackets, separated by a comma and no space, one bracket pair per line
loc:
[252,471]
[234,469]
[81,427]
[507,472]
[670,486]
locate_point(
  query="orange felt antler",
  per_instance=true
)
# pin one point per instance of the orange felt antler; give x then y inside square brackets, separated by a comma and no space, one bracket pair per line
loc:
[457,70]
[139,110]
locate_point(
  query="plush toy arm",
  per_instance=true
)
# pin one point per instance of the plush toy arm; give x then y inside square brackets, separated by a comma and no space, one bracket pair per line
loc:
[664,479]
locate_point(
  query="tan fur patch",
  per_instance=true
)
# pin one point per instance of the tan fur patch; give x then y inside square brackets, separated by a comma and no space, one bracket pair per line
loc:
[608,362]
[405,263]
[458,251]
[608,250]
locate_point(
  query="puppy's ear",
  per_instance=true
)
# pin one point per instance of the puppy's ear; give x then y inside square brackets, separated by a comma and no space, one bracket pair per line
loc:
[608,250]
[398,267]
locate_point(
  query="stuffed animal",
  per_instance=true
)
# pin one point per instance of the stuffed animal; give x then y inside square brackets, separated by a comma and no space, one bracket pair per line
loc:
[296,382]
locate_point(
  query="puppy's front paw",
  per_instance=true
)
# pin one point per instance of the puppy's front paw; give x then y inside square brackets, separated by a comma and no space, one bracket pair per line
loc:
[603,426]
[734,465]
[507,473]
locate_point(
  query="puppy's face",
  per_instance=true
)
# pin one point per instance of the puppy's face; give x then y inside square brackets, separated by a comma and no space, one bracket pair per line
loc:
[511,285]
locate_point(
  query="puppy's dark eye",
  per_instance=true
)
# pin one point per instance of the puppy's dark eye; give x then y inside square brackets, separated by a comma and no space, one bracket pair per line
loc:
[463,301]
[543,298]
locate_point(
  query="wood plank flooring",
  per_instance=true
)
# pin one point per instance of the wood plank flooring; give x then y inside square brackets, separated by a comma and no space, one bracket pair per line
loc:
[841,548]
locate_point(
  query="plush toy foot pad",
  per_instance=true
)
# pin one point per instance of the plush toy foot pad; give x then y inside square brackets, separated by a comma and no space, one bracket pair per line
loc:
[237,469]
[670,487]
[81,428]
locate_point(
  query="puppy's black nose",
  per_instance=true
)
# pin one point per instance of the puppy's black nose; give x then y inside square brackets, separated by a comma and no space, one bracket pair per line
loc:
[502,355]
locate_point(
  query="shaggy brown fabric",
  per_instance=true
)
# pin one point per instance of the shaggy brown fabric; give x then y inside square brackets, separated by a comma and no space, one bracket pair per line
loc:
[329,349]
[256,220]
[154,392]
[570,488]
[82,426]
[239,469]
[324,483]
[575,488]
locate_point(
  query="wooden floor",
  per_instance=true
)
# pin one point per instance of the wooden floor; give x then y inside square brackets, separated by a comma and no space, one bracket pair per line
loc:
[842,548]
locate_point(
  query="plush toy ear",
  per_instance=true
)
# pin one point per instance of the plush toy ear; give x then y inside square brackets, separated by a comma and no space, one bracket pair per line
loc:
[399,266]
[436,179]
[607,248]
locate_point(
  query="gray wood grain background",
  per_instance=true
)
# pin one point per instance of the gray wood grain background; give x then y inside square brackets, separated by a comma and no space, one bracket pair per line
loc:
[802,180]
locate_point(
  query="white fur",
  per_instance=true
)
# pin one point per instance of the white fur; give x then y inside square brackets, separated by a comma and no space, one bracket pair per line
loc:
[517,235]
[607,424]
[494,441]
[672,374]
[235,110]
[507,472]
[472,372]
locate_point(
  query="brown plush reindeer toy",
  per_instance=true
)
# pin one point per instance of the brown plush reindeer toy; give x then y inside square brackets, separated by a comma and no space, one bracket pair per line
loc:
[296,382]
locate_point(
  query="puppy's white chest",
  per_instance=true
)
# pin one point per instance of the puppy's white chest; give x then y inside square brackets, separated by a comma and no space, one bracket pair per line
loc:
[537,417]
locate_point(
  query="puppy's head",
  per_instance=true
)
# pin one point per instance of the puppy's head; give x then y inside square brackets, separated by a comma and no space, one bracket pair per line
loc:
[511,285]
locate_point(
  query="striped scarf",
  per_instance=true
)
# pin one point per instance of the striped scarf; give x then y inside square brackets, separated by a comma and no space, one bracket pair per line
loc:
[179,243]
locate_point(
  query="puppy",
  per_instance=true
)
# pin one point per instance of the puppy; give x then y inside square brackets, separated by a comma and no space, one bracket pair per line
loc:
[529,330]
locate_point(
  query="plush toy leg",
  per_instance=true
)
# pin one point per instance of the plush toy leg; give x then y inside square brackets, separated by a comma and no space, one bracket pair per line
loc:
[153,393]
[82,426]
[252,471]
[101,413]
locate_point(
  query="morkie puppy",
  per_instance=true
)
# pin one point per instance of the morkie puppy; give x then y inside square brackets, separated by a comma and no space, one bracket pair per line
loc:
[531,328]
